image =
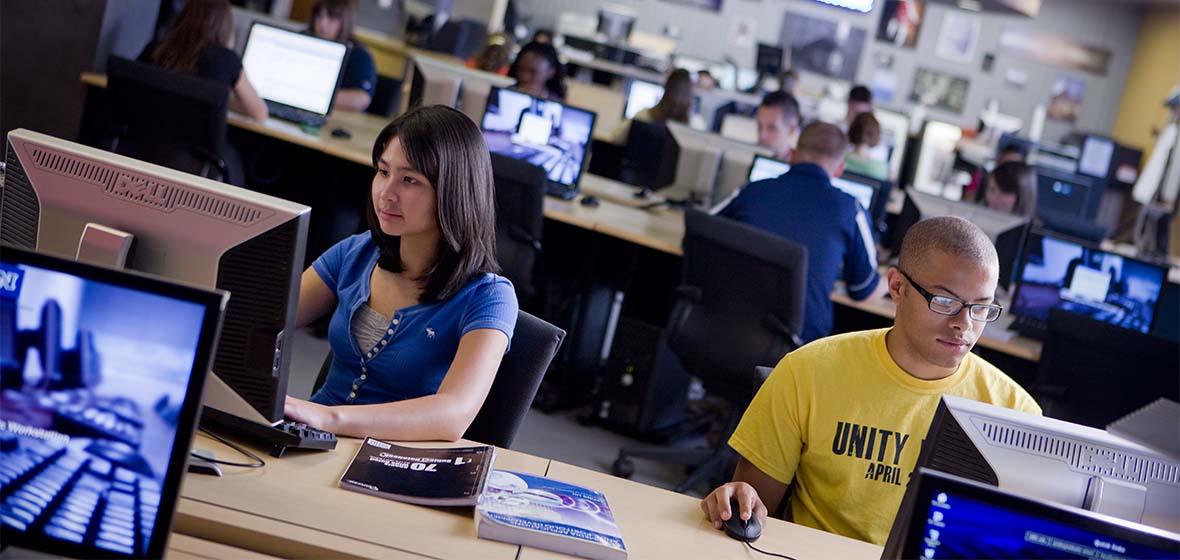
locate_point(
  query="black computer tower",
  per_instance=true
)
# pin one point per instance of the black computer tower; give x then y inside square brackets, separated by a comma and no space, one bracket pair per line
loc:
[643,388]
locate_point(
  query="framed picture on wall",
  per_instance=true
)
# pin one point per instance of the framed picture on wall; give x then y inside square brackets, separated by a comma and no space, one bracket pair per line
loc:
[822,46]
[939,90]
[957,37]
[713,5]
[900,22]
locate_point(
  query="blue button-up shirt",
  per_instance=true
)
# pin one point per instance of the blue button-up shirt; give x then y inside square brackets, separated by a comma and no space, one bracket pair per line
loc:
[413,355]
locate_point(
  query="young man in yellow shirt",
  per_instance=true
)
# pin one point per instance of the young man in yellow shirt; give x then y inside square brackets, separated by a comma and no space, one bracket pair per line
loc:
[842,419]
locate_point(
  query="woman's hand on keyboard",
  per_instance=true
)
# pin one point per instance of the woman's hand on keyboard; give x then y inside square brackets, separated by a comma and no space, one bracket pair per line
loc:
[312,414]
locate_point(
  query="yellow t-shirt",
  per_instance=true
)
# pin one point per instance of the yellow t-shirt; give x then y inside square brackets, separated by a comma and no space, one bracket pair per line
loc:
[843,421]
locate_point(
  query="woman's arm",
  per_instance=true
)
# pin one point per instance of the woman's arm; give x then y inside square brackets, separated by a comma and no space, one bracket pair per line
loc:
[243,99]
[443,416]
[352,99]
[315,298]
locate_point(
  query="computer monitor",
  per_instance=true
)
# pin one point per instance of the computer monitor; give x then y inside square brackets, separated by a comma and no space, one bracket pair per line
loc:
[894,133]
[552,135]
[945,516]
[1066,194]
[766,168]
[74,201]
[862,189]
[1060,272]
[769,59]
[1048,459]
[615,23]
[731,160]
[293,69]
[641,95]
[742,128]
[437,82]
[936,156]
[920,205]
[101,373]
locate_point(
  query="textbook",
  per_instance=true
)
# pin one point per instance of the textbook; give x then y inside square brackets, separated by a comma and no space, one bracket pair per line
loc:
[544,513]
[431,477]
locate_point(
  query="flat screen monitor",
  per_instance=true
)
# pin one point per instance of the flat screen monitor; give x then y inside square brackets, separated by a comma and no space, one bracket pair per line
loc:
[545,133]
[293,69]
[615,24]
[101,373]
[863,191]
[945,516]
[766,168]
[434,81]
[733,160]
[1049,459]
[74,201]
[1060,272]
[1065,194]
[769,59]
[920,205]
[641,95]
[894,133]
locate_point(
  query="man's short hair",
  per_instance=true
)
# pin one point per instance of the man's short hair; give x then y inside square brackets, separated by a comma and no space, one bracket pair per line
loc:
[821,142]
[860,94]
[947,234]
[784,101]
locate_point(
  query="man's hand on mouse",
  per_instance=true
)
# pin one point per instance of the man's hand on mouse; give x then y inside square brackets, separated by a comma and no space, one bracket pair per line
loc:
[716,504]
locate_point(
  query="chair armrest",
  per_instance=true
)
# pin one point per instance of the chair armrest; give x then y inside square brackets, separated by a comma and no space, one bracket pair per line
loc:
[216,160]
[686,298]
[776,325]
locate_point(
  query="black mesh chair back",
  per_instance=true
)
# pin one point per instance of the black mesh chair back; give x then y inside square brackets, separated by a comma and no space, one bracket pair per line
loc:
[386,97]
[167,118]
[1093,372]
[520,199]
[534,343]
[741,303]
[650,156]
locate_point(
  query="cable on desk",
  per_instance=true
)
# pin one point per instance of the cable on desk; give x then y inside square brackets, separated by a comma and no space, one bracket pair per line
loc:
[756,549]
[258,464]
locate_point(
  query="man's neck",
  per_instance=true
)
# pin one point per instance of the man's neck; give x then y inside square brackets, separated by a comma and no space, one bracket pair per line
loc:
[911,362]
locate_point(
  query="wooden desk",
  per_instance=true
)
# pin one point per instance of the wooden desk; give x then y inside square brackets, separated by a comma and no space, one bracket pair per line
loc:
[364,128]
[184,547]
[661,229]
[294,507]
[656,523]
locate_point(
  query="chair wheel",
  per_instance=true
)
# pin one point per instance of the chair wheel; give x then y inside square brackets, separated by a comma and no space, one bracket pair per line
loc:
[622,468]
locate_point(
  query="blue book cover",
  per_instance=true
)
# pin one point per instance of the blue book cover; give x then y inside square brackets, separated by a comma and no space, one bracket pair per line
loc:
[545,513]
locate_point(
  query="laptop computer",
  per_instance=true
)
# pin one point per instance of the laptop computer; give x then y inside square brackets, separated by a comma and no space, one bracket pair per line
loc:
[297,75]
[101,374]
[545,133]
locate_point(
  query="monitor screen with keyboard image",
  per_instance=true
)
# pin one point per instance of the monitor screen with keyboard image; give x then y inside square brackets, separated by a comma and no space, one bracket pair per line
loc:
[99,389]
[1060,272]
[544,133]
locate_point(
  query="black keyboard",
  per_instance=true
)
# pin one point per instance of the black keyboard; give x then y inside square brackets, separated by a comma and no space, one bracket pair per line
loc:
[561,191]
[288,113]
[76,496]
[281,436]
[1030,327]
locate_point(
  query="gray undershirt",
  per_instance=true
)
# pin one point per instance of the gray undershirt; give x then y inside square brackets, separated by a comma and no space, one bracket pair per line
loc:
[368,326]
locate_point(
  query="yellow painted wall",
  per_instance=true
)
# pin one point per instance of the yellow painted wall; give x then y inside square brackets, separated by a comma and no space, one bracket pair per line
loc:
[1155,70]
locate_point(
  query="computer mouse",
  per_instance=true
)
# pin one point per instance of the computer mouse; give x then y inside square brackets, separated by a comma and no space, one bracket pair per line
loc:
[745,531]
[589,200]
[341,133]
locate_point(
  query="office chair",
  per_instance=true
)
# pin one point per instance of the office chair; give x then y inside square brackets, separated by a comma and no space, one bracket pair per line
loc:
[167,118]
[386,97]
[462,38]
[741,306]
[650,156]
[1094,373]
[520,194]
[534,343]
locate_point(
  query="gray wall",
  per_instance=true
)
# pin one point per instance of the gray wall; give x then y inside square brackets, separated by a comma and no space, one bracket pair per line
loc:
[1099,23]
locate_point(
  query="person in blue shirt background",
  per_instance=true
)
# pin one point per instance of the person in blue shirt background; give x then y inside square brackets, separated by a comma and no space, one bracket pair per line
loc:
[803,206]
[420,320]
[335,20]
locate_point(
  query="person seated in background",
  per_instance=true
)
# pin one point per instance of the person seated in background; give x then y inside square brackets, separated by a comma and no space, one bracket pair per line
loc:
[863,136]
[778,123]
[840,421]
[860,100]
[802,205]
[538,72]
[201,44]
[543,36]
[706,81]
[420,320]
[788,81]
[675,105]
[1012,187]
[495,55]
[336,20]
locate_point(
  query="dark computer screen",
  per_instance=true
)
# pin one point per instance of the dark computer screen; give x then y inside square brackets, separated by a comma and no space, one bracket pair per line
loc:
[1064,194]
[100,379]
[1059,272]
[769,59]
[954,518]
[544,133]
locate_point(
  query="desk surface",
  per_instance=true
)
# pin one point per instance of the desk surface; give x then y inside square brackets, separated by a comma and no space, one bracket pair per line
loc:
[656,523]
[185,547]
[294,507]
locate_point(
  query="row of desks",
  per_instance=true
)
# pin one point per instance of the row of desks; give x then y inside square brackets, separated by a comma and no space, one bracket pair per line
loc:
[293,508]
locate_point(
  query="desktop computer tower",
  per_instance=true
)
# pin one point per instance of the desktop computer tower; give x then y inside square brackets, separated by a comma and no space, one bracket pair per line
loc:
[589,317]
[644,389]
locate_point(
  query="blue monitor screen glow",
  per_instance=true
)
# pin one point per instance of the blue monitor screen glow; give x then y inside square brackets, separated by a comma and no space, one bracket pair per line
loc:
[99,386]
[642,95]
[1058,272]
[544,133]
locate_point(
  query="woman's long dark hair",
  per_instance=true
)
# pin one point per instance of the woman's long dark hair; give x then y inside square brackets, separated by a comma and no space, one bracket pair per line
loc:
[445,146]
[676,103]
[1019,178]
[201,23]
[556,84]
[342,10]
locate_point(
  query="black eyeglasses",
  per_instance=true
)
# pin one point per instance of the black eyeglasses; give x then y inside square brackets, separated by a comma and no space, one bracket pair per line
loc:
[946,305]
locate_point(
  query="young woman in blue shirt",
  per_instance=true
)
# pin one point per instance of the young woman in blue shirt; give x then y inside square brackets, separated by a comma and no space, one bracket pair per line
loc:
[420,320]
